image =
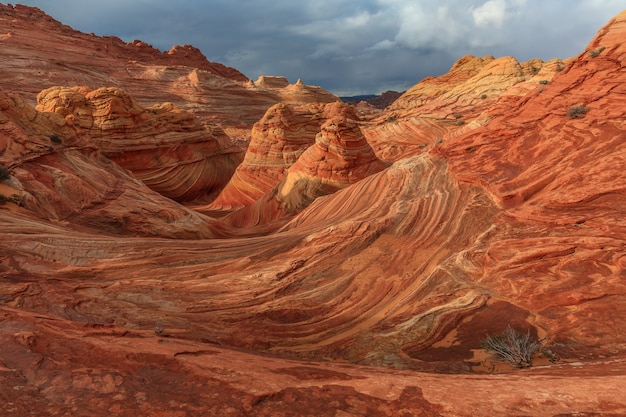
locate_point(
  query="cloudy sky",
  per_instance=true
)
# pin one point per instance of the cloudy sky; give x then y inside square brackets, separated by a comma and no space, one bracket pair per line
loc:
[346,46]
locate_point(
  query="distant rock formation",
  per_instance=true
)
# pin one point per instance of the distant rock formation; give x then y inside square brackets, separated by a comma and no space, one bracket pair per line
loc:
[35,56]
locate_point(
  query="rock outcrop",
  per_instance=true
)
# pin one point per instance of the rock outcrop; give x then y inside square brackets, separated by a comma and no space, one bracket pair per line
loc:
[277,141]
[339,157]
[59,176]
[439,108]
[164,146]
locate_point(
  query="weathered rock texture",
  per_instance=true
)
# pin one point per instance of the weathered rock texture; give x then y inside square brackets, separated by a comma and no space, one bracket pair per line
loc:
[454,103]
[334,292]
[339,157]
[58,175]
[165,147]
[38,52]
[277,141]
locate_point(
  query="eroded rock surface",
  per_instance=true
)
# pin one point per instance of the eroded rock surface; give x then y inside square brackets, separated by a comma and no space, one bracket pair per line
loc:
[351,287]
[164,146]
[39,52]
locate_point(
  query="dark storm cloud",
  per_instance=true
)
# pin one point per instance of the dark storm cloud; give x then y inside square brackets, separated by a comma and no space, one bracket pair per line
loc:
[346,46]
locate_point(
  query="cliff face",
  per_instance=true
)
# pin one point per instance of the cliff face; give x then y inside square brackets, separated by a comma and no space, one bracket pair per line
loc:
[317,258]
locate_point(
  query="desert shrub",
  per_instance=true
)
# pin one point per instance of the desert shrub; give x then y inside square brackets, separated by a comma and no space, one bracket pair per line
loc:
[595,52]
[543,82]
[483,96]
[4,173]
[513,347]
[576,112]
[55,139]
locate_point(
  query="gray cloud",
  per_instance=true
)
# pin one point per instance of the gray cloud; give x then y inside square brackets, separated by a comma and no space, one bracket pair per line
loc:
[346,46]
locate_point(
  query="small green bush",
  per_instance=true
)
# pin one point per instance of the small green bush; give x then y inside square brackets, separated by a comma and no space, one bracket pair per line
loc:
[543,82]
[513,347]
[4,173]
[576,112]
[56,139]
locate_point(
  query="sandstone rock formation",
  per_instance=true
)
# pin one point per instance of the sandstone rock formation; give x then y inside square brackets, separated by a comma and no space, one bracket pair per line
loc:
[453,103]
[59,176]
[165,147]
[349,288]
[35,56]
[277,141]
[339,157]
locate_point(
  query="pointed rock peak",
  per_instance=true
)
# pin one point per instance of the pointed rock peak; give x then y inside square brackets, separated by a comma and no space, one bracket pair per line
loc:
[611,37]
[340,157]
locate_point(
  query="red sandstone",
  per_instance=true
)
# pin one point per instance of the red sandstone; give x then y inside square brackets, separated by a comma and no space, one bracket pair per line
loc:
[335,284]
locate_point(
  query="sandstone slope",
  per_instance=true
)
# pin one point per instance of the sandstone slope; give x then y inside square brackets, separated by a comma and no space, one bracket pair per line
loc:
[58,175]
[350,287]
[164,146]
[277,141]
[39,52]
[454,103]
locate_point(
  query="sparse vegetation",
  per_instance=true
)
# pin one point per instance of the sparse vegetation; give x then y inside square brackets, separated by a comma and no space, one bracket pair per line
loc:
[513,347]
[459,122]
[595,52]
[576,112]
[483,96]
[543,82]
[55,139]
[4,173]
[13,198]
[560,67]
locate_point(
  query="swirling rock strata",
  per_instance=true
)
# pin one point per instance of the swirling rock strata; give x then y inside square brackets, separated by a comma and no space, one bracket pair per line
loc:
[559,177]
[516,220]
[277,141]
[58,175]
[39,52]
[339,157]
[164,146]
